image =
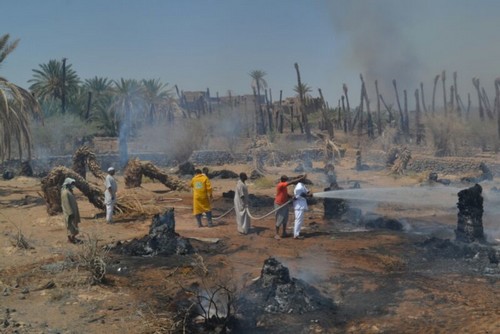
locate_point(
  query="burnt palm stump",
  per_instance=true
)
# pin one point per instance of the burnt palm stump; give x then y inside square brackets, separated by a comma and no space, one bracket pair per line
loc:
[470,215]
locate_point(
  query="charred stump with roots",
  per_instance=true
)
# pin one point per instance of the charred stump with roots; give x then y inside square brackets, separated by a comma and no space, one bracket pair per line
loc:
[470,215]
[161,239]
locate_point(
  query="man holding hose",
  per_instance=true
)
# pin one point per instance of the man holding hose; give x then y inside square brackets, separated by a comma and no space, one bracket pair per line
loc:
[281,198]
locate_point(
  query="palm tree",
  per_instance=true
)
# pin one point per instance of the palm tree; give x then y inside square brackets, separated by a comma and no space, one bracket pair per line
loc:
[257,84]
[6,47]
[302,90]
[97,89]
[98,85]
[48,83]
[128,100]
[156,96]
[16,107]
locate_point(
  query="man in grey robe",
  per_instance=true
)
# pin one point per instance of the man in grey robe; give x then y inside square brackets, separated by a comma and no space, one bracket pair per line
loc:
[70,210]
[241,205]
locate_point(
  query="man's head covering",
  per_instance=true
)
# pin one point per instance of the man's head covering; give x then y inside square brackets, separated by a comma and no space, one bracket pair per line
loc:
[111,169]
[68,181]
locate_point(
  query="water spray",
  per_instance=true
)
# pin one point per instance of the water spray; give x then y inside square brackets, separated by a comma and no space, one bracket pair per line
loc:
[425,196]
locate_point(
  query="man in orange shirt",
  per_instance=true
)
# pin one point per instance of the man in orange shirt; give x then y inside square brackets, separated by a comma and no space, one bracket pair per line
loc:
[202,197]
[282,197]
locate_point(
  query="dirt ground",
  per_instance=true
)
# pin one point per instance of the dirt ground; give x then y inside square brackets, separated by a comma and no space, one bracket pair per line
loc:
[379,280]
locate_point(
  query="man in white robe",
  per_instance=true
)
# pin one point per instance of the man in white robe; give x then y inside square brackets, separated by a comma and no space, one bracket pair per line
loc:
[300,194]
[241,205]
[110,194]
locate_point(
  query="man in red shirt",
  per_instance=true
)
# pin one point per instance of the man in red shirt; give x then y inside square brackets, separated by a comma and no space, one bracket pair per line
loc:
[281,201]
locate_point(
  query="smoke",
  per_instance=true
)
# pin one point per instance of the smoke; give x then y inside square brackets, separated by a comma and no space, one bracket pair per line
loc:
[220,130]
[413,41]
[375,43]
[491,206]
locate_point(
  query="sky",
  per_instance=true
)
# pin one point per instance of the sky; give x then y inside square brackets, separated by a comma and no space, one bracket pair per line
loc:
[215,44]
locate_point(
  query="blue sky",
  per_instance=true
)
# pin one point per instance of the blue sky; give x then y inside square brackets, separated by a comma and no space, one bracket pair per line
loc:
[199,44]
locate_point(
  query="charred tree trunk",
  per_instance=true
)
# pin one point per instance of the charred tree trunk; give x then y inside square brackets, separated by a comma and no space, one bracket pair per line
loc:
[281,112]
[436,79]
[424,106]
[419,130]
[361,109]
[452,99]
[470,215]
[345,115]
[487,105]
[475,82]
[302,109]
[443,80]
[389,110]
[324,112]
[406,116]
[89,104]
[348,111]
[269,112]
[401,116]
[379,116]
[457,98]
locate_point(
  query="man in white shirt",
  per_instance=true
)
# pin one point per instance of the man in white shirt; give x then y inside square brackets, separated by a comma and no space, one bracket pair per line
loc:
[110,194]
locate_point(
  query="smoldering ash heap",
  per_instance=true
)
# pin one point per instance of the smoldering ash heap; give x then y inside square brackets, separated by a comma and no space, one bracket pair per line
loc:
[470,215]
[276,292]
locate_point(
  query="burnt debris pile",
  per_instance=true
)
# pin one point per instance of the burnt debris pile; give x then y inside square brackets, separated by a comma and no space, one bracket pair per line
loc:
[161,240]
[470,215]
[276,292]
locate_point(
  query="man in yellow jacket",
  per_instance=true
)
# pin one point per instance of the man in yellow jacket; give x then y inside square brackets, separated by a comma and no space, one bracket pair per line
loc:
[202,197]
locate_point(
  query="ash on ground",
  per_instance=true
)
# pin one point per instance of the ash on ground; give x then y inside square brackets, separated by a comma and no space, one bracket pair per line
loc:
[161,240]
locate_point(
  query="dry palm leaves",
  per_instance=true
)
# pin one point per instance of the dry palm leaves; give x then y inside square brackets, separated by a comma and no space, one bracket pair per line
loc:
[401,162]
[135,169]
[133,205]
[84,156]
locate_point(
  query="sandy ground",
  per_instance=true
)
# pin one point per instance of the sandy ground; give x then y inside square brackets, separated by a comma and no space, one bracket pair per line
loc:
[378,279]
